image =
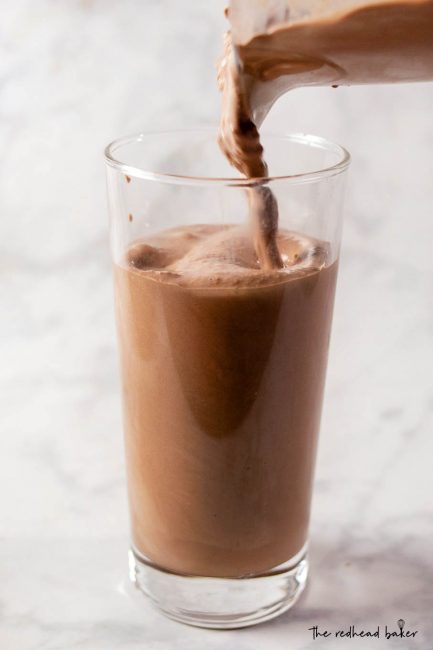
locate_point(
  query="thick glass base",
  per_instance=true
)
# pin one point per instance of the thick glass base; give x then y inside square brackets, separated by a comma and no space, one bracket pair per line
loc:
[221,603]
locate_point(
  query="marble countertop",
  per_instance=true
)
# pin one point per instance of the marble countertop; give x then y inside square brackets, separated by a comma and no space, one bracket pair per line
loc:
[75,75]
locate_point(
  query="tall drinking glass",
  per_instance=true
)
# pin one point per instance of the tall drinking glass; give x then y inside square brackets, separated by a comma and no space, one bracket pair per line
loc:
[223,366]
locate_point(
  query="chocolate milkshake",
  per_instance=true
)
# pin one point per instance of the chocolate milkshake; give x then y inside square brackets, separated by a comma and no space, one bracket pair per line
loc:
[224,329]
[223,367]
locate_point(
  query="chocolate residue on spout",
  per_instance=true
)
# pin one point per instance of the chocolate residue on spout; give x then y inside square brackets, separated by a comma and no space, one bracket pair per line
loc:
[240,141]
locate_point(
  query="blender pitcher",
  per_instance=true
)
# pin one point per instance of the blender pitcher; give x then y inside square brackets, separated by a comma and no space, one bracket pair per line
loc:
[283,44]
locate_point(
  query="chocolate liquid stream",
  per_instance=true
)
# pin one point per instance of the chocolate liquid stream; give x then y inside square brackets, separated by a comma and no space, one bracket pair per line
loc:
[239,139]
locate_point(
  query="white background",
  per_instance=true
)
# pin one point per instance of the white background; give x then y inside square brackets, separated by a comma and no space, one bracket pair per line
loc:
[75,75]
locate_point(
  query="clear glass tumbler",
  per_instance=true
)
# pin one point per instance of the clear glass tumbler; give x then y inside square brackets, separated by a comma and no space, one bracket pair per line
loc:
[223,367]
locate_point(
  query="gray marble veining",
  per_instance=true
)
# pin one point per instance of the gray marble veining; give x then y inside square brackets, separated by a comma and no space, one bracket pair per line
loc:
[73,76]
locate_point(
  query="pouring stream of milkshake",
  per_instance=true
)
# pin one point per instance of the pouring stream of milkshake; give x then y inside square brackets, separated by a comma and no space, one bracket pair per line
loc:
[240,141]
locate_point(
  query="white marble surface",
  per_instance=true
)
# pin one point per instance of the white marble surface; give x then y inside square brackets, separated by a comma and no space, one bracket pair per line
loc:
[73,76]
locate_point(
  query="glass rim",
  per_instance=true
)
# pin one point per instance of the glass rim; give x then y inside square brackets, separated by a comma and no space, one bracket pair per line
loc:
[305,139]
